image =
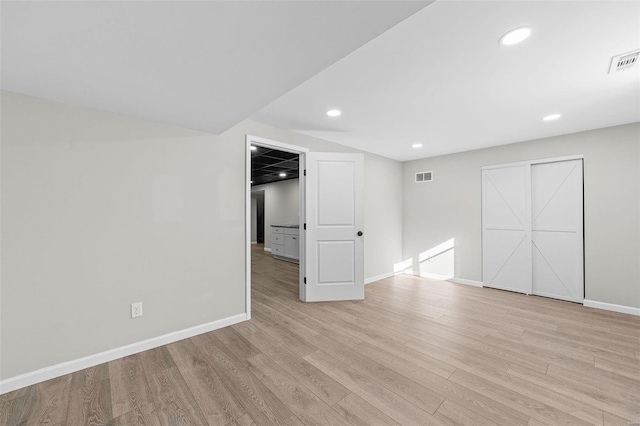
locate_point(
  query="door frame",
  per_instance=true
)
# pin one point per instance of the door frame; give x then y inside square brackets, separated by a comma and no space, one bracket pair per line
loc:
[532,162]
[281,146]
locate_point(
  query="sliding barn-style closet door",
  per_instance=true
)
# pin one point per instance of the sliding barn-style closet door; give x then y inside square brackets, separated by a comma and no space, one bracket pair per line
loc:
[506,238]
[557,231]
[532,228]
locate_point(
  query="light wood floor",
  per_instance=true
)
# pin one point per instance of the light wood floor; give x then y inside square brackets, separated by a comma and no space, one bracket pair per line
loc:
[415,352]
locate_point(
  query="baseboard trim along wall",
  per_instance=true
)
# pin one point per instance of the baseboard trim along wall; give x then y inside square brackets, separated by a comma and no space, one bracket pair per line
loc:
[31,378]
[378,278]
[466,282]
[447,278]
[612,307]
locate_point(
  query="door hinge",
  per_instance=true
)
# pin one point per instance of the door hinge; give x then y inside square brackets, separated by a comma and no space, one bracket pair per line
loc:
[305,227]
[305,280]
[305,172]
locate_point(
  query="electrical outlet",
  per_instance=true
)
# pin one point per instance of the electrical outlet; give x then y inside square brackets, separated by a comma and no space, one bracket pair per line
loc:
[136,310]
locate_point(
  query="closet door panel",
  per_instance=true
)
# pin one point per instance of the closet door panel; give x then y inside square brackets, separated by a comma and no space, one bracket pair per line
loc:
[555,266]
[505,222]
[505,260]
[505,196]
[557,230]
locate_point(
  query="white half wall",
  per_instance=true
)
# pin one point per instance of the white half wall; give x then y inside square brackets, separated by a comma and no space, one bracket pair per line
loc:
[450,207]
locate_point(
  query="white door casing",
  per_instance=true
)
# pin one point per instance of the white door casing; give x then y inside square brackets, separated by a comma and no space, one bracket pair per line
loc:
[334,264]
[506,250]
[557,230]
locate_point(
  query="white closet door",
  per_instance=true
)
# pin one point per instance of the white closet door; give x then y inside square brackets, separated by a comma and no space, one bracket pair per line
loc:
[506,230]
[557,231]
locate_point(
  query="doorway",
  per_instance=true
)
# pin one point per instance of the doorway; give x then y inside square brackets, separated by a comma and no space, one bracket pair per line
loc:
[278,162]
[331,220]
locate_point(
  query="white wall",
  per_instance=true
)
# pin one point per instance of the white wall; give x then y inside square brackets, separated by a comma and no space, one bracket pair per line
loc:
[281,205]
[101,210]
[382,215]
[449,207]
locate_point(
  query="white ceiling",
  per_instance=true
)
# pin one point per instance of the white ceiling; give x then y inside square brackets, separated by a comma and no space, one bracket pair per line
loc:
[439,77]
[204,65]
[442,79]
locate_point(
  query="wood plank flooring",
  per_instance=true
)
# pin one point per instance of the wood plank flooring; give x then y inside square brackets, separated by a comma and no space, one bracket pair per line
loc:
[414,352]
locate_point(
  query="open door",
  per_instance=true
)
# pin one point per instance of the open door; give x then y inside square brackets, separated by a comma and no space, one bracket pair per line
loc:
[334,247]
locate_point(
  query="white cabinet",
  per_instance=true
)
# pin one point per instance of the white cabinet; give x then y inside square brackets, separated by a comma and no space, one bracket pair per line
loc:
[285,243]
[291,246]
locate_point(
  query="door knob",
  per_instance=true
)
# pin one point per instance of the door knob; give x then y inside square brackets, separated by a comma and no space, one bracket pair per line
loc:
[359,233]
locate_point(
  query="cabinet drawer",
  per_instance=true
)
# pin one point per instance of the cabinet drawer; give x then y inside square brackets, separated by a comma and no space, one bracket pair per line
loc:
[291,231]
[276,230]
[277,239]
[277,249]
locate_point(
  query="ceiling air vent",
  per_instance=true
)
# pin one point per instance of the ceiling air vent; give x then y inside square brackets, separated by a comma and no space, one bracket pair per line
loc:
[424,177]
[624,61]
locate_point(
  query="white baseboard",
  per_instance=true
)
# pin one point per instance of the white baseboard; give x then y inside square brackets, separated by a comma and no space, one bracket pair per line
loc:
[432,276]
[611,307]
[588,303]
[254,242]
[446,278]
[378,278]
[31,378]
[267,249]
[466,282]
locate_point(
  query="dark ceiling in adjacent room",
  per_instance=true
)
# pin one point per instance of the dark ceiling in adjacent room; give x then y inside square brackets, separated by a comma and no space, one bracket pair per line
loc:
[267,164]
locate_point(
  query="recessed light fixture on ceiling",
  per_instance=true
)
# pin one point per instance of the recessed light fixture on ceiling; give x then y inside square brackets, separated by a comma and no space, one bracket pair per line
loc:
[416,145]
[515,36]
[551,117]
[283,175]
[334,113]
[253,148]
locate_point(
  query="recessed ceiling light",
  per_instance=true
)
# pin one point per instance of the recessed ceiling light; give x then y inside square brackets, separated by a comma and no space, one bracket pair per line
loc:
[334,113]
[283,175]
[515,36]
[416,145]
[552,117]
[253,148]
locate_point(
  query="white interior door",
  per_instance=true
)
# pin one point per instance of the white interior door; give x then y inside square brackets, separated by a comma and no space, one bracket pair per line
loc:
[557,231]
[506,249]
[334,255]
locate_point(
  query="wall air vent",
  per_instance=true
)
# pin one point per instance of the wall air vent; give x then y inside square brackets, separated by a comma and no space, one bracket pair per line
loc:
[424,177]
[624,62]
